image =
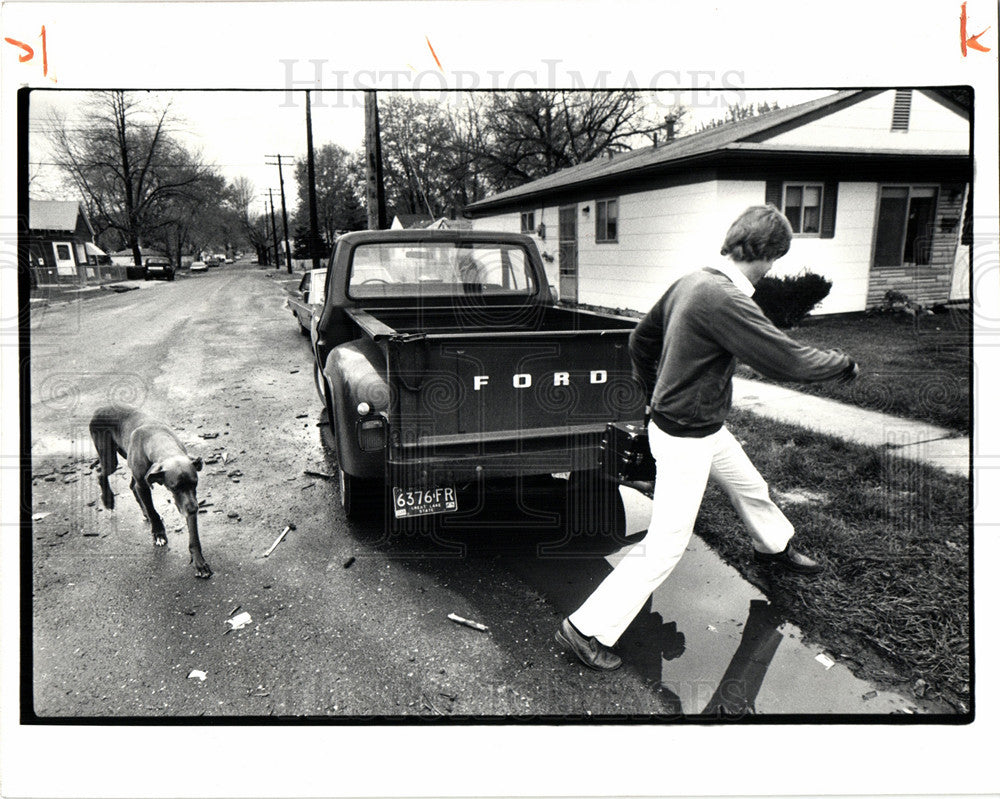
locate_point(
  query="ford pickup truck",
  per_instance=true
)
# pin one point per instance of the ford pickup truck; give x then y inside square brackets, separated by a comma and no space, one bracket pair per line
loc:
[443,360]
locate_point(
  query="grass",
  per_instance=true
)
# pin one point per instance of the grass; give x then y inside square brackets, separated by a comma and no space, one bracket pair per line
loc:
[915,370]
[894,600]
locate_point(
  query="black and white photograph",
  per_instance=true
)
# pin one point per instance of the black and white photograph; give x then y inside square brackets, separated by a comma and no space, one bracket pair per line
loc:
[358,402]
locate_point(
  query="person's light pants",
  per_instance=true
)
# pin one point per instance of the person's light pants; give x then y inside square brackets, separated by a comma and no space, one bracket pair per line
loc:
[683,466]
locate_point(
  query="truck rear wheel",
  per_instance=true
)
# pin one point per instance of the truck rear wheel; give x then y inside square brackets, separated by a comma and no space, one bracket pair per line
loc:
[594,508]
[358,498]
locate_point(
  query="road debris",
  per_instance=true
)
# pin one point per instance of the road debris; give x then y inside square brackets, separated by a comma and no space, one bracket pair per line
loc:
[475,625]
[313,473]
[278,540]
[869,695]
[197,674]
[224,456]
[349,562]
[825,660]
[208,435]
[39,516]
[302,416]
[239,622]
[920,688]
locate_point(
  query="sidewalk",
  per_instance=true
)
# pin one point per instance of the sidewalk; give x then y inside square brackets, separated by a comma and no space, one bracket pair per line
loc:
[906,438]
[46,295]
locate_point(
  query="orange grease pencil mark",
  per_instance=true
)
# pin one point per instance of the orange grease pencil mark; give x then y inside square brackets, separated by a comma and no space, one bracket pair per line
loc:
[45,55]
[431,46]
[970,41]
[29,51]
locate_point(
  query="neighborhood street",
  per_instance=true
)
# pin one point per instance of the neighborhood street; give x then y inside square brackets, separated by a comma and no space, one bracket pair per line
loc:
[345,619]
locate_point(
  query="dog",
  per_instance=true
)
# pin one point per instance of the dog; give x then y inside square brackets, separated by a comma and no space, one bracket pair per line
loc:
[154,455]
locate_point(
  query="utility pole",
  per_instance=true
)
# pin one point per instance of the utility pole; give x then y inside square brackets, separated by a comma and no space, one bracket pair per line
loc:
[274,232]
[284,210]
[373,166]
[314,240]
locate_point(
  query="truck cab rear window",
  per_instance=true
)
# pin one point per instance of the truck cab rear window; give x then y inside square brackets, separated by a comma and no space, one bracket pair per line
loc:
[446,269]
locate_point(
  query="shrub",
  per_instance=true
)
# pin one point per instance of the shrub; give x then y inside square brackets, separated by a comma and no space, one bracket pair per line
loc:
[787,300]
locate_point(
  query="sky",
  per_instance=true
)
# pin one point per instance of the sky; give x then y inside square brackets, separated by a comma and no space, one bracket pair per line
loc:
[237,130]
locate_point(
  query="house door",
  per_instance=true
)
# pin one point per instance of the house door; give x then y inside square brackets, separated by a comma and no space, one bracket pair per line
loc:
[65,263]
[567,254]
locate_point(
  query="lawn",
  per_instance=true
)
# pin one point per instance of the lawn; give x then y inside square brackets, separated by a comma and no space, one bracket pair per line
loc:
[918,371]
[894,600]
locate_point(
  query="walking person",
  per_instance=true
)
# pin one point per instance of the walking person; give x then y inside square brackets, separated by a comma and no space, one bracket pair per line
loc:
[684,352]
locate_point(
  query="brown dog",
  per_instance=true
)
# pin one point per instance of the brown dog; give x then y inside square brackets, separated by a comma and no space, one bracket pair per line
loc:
[154,455]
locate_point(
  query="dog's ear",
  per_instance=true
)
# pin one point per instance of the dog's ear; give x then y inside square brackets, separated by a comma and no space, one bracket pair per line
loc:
[197,463]
[155,473]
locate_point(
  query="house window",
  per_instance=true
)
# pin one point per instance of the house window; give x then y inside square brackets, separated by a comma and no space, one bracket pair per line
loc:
[803,205]
[527,221]
[607,220]
[905,227]
[901,110]
[62,252]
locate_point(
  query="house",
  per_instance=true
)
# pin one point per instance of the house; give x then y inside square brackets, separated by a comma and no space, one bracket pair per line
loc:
[875,183]
[61,246]
[405,221]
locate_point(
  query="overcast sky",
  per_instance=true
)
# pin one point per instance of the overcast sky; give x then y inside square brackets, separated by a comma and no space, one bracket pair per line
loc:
[237,130]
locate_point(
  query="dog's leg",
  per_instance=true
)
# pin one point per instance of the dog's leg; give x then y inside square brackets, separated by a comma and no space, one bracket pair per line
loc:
[144,495]
[107,462]
[201,567]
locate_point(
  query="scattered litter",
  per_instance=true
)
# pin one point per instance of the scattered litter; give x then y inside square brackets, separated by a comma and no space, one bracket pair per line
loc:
[233,611]
[197,674]
[204,503]
[710,627]
[235,473]
[208,435]
[920,688]
[39,516]
[90,535]
[313,473]
[475,625]
[239,622]
[308,485]
[294,372]
[349,562]
[224,456]
[825,661]
[870,695]
[233,514]
[278,540]
[906,710]
[302,416]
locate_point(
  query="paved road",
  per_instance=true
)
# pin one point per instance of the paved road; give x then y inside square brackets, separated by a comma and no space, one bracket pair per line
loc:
[346,620]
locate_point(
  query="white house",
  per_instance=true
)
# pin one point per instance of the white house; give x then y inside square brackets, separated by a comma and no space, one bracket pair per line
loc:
[874,181]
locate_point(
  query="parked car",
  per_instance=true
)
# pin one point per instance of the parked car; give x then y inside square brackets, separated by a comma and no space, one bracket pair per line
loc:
[159,267]
[307,300]
[199,266]
[442,360]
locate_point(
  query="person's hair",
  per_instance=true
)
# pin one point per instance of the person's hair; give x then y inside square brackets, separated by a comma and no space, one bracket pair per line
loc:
[760,233]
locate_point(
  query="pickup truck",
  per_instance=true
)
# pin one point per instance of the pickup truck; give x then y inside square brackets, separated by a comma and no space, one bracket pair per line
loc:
[442,360]
[307,300]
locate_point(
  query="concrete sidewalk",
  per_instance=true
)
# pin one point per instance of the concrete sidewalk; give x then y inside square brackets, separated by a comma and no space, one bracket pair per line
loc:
[905,438]
[48,295]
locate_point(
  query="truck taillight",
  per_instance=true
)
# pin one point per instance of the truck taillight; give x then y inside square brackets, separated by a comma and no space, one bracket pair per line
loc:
[372,434]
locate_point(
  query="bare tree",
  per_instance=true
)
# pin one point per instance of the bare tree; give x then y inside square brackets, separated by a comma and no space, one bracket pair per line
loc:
[127,166]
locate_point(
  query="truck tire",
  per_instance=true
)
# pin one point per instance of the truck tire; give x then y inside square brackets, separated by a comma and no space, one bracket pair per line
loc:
[358,498]
[594,508]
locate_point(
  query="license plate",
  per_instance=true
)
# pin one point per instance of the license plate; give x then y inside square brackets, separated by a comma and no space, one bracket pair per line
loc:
[424,501]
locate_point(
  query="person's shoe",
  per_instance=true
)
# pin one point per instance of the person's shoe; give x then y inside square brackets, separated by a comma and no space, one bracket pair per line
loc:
[789,559]
[591,652]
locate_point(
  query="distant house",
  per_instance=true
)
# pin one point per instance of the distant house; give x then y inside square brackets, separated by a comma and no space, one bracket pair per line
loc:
[875,183]
[61,244]
[405,221]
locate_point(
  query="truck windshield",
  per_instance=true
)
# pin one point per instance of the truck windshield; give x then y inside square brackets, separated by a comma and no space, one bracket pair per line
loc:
[440,269]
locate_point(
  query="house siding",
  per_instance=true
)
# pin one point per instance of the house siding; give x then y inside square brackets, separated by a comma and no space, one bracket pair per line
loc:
[932,127]
[932,283]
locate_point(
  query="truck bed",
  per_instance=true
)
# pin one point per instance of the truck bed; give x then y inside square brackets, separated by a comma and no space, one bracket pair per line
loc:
[463,319]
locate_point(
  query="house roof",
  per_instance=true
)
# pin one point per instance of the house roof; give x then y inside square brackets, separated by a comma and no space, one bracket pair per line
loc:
[413,220]
[744,135]
[56,215]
